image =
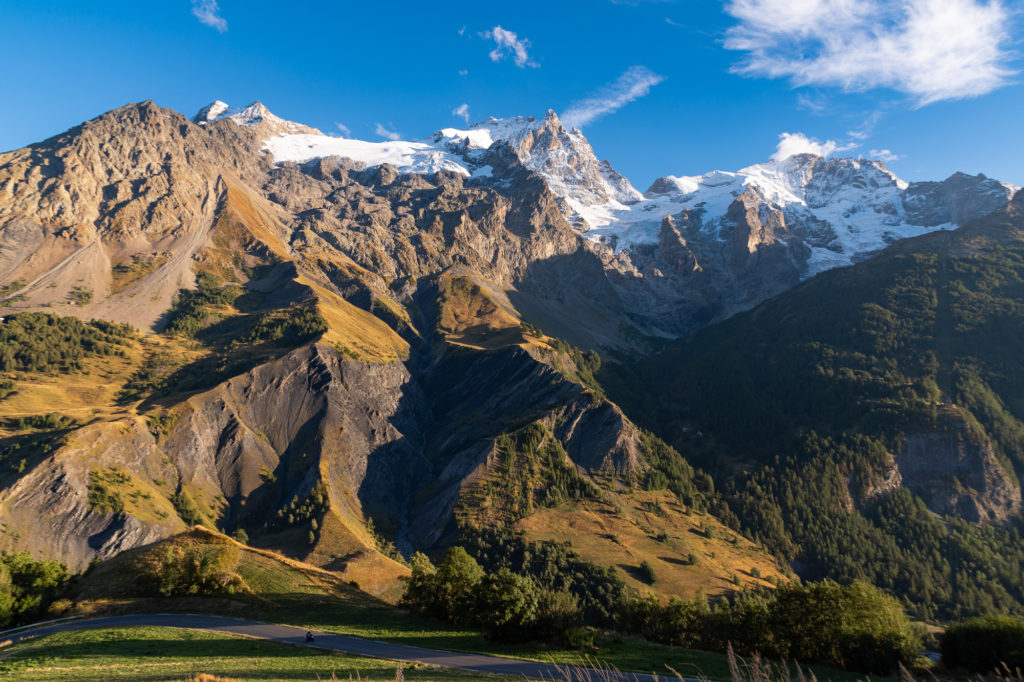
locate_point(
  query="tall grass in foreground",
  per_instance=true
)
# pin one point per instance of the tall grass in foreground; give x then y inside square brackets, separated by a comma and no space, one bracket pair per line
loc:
[753,669]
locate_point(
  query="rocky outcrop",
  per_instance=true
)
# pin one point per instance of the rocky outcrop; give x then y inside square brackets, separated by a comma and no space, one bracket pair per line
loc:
[957,477]
[48,510]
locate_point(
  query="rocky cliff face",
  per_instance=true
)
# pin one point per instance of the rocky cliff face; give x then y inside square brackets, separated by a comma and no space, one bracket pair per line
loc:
[114,218]
[398,402]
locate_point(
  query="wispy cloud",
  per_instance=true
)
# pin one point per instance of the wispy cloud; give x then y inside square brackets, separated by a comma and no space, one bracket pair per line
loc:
[867,128]
[932,50]
[813,104]
[508,44]
[463,72]
[636,82]
[208,13]
[343,129]
[387,133]
[462,111]
[884,155]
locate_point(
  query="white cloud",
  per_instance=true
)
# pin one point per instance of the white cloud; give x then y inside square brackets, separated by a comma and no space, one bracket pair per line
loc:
[509,44]
[208,13]
[463,72]
[636,82]
[462,110]
[884,155]
[791,144]
[386,133]
[932,50]
[343,129]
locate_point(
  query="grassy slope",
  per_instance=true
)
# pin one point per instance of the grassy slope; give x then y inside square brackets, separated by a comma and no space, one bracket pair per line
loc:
[152,653]
[289,592]
[656,527]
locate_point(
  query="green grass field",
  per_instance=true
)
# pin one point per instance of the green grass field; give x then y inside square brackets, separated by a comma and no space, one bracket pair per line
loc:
[290,593]
[153,653]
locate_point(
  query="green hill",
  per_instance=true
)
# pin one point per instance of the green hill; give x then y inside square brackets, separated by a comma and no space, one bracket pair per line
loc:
[869,423]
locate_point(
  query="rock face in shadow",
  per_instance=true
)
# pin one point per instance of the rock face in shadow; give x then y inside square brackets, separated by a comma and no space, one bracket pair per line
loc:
[957,477]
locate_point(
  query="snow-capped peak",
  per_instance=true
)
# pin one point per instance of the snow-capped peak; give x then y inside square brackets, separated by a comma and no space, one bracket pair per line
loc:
[839,208]
[250,115]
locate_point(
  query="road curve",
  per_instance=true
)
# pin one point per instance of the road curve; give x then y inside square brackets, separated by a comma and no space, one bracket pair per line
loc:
[333,642]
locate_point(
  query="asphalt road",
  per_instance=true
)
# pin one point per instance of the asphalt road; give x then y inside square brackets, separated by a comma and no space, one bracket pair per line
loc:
[333,642]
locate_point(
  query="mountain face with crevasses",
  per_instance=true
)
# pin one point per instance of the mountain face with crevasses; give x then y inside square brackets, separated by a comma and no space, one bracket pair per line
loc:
[841,209]
[749,234]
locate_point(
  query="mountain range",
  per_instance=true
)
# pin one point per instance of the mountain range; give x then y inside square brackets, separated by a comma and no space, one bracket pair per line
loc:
[354,350]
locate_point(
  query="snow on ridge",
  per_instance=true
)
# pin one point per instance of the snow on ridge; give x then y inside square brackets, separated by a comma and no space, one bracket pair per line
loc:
[249,115]
[407,157]
[840,208]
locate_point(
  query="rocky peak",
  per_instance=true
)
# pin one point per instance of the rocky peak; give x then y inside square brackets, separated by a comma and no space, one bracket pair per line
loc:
[255,114]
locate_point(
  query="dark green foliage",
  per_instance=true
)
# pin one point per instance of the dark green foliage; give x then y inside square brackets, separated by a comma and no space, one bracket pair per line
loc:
[41,422]
[151,376]
[532,471]
[8,289]
[552,566]
[38,342]
[293,326]
[587,363]
[186,508]
[187,571]
[646,572]
[7,387]
[101,498]
[856,626]
[80,296]
[190,312]
[27,587]
[558,614]
[796,406]
[507,605]
[300,511]
[17,453]
[448,592]
[985,644]
[669,471]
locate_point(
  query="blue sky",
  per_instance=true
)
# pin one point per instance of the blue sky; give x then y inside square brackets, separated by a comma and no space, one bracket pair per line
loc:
[658,86]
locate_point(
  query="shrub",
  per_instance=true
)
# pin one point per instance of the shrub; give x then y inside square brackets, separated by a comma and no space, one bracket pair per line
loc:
[647,573]
[447,592]
[194,571]
[984,644]
[857,626]
[507,605]
[27,586]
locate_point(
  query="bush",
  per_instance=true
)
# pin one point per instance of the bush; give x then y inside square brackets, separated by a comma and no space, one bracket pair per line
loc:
[507,605]
[202,571]
[558,613]
[857,626]
[27,586]
[984,644]
[647,573]
[447,592]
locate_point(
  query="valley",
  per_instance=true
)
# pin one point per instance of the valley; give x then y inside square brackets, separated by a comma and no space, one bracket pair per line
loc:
[250,369]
